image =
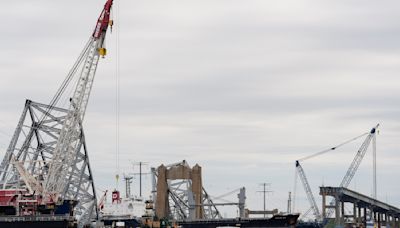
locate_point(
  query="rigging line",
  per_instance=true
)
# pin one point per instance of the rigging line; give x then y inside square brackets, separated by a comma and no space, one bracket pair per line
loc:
[332,148]
[224,195]
[117,92]
[67,80]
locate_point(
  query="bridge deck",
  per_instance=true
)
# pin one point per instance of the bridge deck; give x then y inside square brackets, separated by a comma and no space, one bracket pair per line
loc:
[347,195]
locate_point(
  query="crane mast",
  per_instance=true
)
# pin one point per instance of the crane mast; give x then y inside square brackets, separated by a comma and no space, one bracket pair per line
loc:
[307,188]
[351,171]
[68,141]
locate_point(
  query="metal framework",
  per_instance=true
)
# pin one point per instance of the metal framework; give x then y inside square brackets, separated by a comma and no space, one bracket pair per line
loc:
[307,189]
[32,147]
[182,203]
[181,200]
[351,171]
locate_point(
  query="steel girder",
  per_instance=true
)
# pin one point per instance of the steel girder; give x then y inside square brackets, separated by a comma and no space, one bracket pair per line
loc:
[33,145]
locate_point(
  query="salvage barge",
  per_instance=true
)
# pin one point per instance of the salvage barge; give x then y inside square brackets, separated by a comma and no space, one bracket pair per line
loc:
[18,209]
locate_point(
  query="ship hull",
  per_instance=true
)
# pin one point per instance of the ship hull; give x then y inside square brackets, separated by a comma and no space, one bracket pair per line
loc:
[277,221]
[37,224]
[48,221]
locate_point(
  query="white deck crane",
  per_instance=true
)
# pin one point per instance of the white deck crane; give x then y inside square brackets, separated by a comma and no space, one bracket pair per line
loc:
[349,174]
[65,151]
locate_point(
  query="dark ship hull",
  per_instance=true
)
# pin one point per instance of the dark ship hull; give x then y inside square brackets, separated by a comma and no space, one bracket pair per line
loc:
[37,222]
[277,221]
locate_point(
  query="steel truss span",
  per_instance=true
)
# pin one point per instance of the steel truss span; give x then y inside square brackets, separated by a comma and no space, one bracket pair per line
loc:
[32,150]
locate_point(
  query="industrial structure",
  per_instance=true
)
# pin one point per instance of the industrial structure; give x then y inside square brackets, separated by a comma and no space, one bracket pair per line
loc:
[365,208]
[181,186]
[180,196]
[46,169]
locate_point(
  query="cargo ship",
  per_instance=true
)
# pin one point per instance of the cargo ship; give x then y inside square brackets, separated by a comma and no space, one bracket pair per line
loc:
[278,221]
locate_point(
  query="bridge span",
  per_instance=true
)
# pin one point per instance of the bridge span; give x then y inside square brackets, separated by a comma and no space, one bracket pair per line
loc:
[363,206]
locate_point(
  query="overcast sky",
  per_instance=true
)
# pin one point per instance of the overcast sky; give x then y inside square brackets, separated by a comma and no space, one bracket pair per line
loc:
[243,88]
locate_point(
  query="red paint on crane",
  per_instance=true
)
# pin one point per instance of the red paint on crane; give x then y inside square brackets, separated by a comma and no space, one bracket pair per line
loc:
[103,21]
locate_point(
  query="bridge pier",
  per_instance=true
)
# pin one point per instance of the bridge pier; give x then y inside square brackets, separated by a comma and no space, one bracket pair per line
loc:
[337,211]
[379,219]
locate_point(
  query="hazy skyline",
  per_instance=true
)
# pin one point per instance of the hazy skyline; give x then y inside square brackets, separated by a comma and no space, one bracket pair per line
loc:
[243,88]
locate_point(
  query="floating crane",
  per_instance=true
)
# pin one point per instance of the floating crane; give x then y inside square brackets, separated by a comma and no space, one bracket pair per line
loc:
[47,157]
[351,171]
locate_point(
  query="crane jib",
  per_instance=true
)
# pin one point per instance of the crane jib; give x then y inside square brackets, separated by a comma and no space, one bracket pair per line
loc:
[104,18]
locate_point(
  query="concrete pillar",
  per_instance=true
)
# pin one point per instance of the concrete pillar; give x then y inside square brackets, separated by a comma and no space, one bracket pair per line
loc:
[355,212]
[359,215]
[197,189]
[337,210]
[365,216]
[385,223]
[162,193]
[392,221]
[342,214]
[379,215]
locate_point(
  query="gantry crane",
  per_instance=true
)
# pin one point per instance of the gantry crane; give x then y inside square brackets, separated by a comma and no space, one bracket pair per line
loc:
[351,171]
[47,157]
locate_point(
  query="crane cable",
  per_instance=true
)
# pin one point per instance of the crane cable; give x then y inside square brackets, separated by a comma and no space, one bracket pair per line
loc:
[117,94]
[332,148]
[220,197]
[315,155]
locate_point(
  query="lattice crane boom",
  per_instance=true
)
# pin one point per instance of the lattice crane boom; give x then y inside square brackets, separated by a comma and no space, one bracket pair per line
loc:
[307,189]
[67,144]
[351,171]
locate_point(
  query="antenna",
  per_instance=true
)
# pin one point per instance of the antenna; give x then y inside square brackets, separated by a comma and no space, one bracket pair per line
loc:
[128,182]
[140,164]
[265,191]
